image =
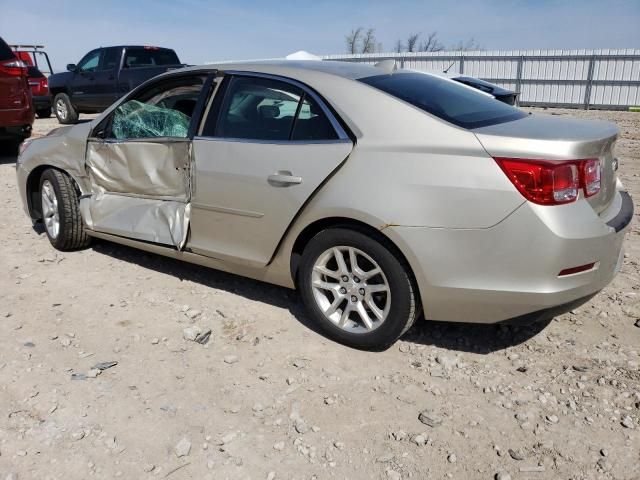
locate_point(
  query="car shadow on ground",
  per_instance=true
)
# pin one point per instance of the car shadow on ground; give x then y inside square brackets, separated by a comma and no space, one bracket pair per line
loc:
[5,158]
[476,338]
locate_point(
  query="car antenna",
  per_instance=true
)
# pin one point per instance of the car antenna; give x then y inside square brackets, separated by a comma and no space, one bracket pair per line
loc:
[446,70]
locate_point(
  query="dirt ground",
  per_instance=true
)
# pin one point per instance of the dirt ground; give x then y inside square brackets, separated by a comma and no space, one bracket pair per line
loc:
[270,398]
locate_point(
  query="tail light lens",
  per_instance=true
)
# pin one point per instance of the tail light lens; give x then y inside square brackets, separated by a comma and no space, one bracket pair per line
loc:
[591,176]
[15,68]
[552,183]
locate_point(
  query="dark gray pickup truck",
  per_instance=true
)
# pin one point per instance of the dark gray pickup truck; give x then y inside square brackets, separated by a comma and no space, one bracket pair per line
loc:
[104,75]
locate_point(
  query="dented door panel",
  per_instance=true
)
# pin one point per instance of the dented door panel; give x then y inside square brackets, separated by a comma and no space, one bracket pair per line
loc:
[139,189]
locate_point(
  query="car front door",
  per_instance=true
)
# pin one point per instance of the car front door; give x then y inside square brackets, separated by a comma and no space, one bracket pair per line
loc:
[267,144]
[83,85]
[139,163]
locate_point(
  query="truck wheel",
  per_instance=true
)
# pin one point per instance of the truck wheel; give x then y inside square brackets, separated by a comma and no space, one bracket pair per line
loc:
[61,211]
[64,110]
[44,112]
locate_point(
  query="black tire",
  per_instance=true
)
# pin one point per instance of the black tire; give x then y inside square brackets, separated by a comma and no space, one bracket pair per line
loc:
[44,112]
[404,305]
[72,234]
[71,113]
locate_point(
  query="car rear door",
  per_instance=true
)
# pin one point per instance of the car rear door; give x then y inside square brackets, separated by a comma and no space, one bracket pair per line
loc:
[139,162]
[266,146]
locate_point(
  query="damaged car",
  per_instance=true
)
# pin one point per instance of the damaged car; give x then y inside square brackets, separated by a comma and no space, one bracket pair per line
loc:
[381,195]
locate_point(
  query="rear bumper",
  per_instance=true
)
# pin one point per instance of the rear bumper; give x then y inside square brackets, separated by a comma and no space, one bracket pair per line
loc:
[17,132]
[41,102]
[511,270]
[16,123]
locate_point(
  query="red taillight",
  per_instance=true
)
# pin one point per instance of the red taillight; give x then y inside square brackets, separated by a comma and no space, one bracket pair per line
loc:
[15,68]
[552,183]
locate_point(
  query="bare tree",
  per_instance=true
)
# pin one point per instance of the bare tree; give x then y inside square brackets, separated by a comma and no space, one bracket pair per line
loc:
[399,46]
[469,45]
[412,42]
[353,39]
[431,43]
[369,41]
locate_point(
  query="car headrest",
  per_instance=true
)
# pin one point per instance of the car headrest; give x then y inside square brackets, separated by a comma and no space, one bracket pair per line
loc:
[269,111]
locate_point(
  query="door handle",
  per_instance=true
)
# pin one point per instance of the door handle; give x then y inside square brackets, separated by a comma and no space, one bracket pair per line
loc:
[283,178]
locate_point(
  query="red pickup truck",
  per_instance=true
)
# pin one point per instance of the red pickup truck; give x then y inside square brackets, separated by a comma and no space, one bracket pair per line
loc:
[16,105]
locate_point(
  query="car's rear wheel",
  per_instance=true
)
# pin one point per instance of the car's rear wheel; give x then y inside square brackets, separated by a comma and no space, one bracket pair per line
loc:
[44,112]
[61,211]
[64,110]
[356,288]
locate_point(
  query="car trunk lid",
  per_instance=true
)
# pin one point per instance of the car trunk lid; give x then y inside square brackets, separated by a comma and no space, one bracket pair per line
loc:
[551,138]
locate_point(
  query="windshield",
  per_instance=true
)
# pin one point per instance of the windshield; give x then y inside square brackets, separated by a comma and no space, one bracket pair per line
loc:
[445,99]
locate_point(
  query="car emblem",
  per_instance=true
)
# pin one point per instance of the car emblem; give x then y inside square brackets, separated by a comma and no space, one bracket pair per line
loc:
[614,164]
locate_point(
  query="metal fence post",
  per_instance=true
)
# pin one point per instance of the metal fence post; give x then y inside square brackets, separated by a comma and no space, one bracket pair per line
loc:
[587,89]
[461,64]
[519,74]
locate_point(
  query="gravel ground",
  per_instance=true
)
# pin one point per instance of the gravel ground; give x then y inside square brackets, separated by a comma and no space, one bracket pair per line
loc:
[269,398]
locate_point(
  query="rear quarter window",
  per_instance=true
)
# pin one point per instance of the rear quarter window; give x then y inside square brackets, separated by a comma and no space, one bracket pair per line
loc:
[33,72]
[454,103]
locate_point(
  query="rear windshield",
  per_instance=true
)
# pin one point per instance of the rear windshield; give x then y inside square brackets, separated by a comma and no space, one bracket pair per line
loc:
[33,72]
[5,52]
[445,99]
[149,57]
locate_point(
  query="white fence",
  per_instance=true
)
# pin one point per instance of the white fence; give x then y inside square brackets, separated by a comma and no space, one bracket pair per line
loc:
[607,79]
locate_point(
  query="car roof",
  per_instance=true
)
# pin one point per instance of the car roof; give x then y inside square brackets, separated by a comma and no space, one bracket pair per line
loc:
[349,70]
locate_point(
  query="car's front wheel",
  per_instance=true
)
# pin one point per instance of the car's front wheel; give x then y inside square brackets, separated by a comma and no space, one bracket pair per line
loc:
[61,211]
[64,110]
[356,288]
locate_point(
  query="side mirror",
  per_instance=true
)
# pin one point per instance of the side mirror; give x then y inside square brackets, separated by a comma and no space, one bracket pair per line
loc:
[72,67]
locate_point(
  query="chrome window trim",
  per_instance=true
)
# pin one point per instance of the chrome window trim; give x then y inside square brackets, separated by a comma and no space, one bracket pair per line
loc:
[272,142]
[342,134]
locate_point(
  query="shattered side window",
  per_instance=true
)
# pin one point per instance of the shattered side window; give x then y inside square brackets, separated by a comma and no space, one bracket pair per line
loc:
[135,119]
[164,110]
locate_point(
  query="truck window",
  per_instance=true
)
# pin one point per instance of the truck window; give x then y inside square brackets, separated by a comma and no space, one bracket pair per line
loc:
[90,62]
[149,57]
[110,58]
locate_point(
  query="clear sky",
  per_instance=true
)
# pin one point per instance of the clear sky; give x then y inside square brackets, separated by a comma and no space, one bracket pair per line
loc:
[202,31]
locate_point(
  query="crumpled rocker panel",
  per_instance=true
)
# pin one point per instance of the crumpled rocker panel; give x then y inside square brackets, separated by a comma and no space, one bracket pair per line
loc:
[150,220]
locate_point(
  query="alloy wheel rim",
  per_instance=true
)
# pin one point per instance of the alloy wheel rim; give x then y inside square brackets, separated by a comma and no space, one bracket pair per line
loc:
[50,212]
[61,109]
[351,289]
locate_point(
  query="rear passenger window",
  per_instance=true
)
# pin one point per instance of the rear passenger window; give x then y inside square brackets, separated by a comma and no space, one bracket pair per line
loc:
[312,123]
[265,109]
[110,58]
